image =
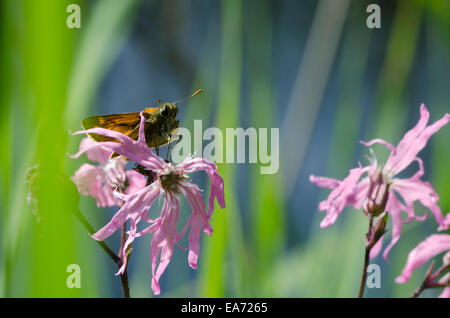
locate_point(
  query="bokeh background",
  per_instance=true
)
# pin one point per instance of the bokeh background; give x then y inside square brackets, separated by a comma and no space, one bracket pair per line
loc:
[311,68]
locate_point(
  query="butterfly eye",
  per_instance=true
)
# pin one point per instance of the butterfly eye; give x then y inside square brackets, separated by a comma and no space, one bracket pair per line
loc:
[164,111]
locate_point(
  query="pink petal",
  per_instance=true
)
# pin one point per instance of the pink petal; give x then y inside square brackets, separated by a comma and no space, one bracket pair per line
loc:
[324,182]
[197,221]
[191,165]
[195,164]
[95,152]
[413,189]
[150,229]
[141,138]
[163,240]
[445,293]
[359,195]
[131,235]
[90,180]
[421,170]
[132,150]
[394,208]
[323,205]
[217,191]
[414,141]
[107,133]
[376,248]
[447,220]
[379,141]
[85,176]
[103,195]
[446,258]
[432,246]
[135,205]
[407,139]
[136,181]
[355,199]
[338,198]
[116,222]
[194,242]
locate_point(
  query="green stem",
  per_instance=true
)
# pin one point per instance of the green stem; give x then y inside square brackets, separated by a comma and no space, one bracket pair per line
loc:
[428,281]
[366,259]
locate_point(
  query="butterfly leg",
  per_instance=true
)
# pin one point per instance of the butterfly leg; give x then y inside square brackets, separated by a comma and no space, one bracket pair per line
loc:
[168,137]
[168,151]
[157,149]
[176,143]
[179,139]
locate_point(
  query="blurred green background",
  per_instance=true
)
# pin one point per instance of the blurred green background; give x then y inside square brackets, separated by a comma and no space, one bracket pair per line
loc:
[311,68]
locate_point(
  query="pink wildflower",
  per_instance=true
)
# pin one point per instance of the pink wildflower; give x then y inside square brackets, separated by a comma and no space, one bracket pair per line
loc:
[169,182]
[100,181]
[378,190]
[432,246]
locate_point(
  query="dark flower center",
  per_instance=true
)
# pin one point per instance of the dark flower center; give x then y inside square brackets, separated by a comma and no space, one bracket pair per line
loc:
[170,182]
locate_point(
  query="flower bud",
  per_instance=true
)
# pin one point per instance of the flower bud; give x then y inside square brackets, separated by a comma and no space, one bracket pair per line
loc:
[377,231]
[377,195]
[380,227]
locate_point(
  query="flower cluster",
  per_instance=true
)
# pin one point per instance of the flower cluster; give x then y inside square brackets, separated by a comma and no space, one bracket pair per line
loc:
[376,189]
[168,182]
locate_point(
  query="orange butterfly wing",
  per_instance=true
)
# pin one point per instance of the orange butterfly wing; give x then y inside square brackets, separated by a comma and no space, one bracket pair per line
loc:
[126,123]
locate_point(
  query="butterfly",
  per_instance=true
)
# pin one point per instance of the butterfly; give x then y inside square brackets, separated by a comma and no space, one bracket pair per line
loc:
[160,128]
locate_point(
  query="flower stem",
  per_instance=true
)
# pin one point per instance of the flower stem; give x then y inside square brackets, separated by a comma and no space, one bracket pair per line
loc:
[362,285]
[419,290]
[364,273]
[424,284]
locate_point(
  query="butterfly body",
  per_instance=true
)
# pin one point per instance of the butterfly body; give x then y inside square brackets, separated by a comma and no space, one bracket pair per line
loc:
[160,124]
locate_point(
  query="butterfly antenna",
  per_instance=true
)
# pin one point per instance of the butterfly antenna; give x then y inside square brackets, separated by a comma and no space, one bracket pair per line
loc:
[186,98]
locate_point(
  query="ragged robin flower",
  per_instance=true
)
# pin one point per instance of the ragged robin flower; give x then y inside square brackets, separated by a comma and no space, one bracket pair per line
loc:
[376,189]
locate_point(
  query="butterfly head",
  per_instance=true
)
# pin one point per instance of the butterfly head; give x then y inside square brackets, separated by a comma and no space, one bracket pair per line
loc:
[168,110]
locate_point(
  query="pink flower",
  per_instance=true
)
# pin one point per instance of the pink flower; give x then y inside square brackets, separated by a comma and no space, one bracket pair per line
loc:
[169,182]
[100,181]
[379,189]
[432,246]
